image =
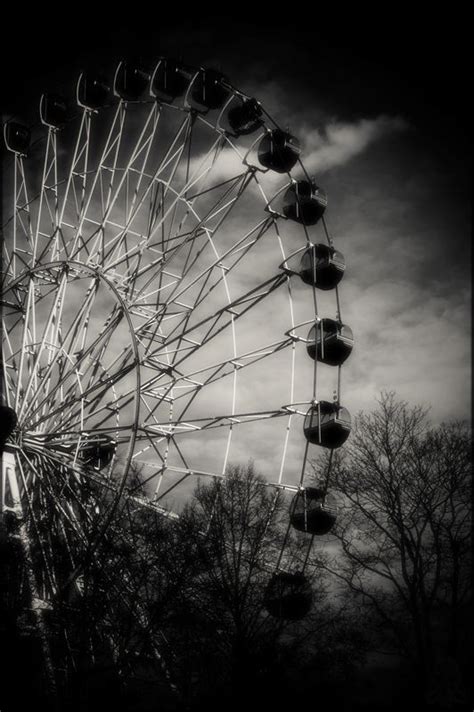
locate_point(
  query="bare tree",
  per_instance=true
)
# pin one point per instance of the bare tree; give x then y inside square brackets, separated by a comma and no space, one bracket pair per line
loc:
[236,525]
[201,582]
[223,636]
[404,528]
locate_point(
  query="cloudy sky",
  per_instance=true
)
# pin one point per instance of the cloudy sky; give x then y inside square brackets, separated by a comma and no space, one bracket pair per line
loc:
[376,103]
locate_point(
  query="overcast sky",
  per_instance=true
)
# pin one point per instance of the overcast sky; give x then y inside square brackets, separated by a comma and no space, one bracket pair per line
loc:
[379,113]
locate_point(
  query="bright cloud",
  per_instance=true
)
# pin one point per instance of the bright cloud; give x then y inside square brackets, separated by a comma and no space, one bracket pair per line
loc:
[339,142]
[335,144]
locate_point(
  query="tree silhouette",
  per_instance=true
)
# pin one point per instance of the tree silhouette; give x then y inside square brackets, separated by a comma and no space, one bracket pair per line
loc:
[404,531]
[228,648]
[222,631]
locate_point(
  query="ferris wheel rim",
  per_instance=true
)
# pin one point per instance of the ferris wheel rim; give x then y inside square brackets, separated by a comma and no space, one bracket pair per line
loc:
[227,140]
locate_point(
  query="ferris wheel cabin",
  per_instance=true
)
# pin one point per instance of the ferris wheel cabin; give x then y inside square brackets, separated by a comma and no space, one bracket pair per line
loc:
[8,422]
[330,342]
[327,424]
[279,151]
[310,513]
[245,117]
[53,110]
[288,596]
[130,81]
[304,202]
[17,137]
[322,266]
[169,81]
[207,89]
[92,92]
[98,454]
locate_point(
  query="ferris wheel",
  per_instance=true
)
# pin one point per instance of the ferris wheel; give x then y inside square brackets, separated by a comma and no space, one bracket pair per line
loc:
[158,234]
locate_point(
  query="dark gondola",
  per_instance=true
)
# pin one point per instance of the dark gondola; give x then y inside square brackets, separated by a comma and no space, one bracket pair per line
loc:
[98,454]
[279,151]
[169,81]
[131,81]
[53,110]
[310,513]
[327,424]
[245,117]
[322,266]
[208,90]
[304,202]
[8,421]
[17,137]
[92,92]
[330,342]
[288,596]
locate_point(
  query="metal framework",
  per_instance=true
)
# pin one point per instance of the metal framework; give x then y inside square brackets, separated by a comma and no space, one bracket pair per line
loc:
[130,263]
